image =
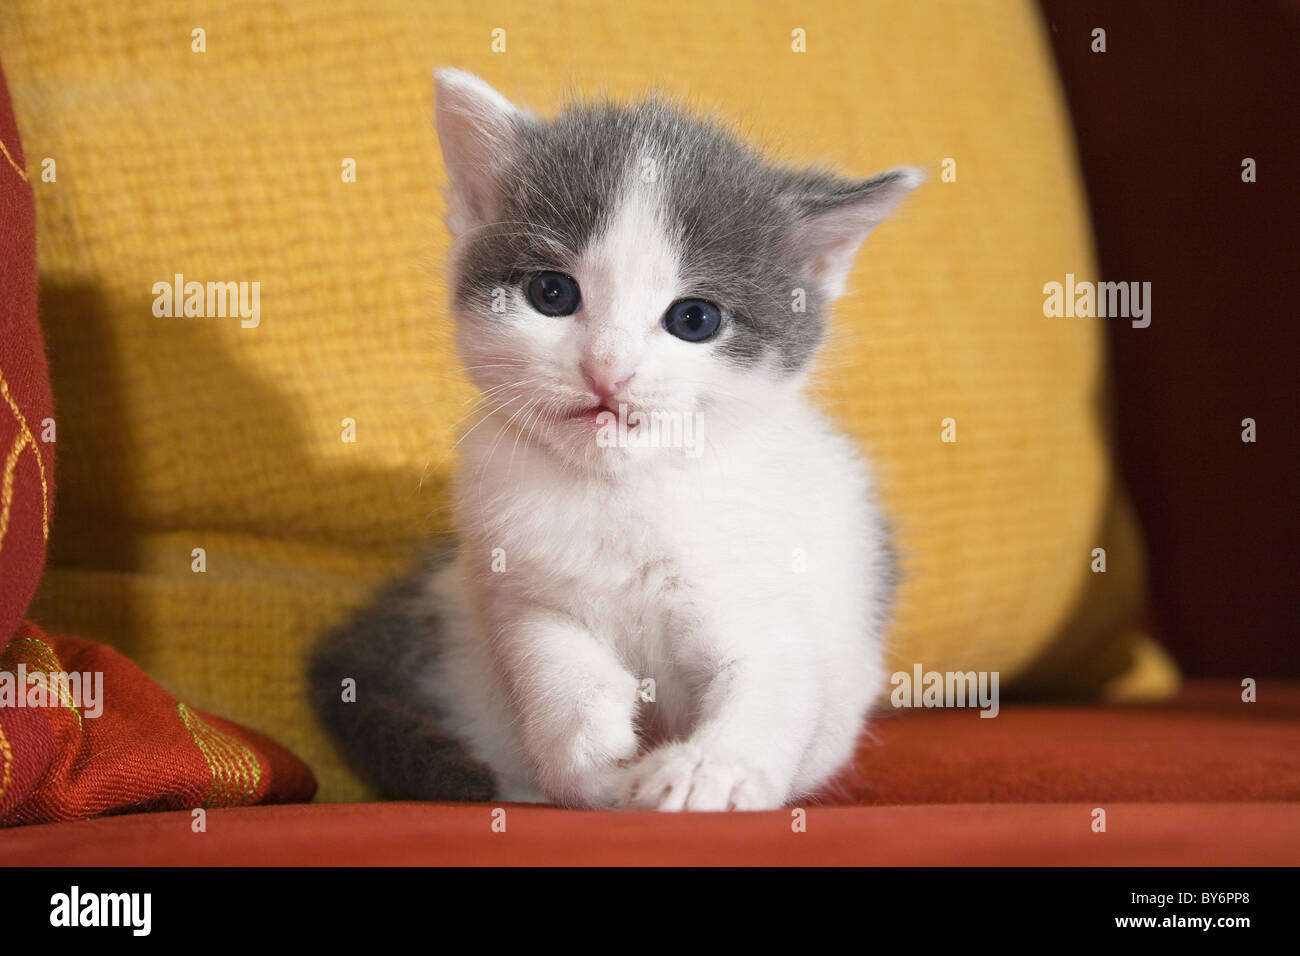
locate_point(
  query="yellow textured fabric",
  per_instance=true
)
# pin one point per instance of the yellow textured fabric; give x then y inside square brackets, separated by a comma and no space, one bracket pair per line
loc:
[226,165]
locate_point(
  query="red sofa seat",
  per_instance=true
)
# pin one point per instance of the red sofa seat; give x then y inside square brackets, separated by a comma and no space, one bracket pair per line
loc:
[1200,780]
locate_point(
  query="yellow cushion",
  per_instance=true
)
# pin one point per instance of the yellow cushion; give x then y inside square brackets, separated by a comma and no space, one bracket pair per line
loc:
[183,433]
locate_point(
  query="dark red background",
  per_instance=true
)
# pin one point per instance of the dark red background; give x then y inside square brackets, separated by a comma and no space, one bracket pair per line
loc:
[1163,121]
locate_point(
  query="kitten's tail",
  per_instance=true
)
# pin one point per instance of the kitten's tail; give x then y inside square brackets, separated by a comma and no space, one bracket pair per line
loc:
[368,683]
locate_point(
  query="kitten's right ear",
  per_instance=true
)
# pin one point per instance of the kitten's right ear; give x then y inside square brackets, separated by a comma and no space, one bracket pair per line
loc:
[478,129]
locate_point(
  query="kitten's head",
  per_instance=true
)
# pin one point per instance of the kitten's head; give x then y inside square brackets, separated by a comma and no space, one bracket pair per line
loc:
[635,255]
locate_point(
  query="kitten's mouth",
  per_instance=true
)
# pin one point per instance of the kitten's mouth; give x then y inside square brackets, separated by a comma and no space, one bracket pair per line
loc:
[590,414]
[620,414]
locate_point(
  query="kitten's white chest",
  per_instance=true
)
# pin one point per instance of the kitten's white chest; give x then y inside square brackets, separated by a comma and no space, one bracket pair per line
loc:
[761,557]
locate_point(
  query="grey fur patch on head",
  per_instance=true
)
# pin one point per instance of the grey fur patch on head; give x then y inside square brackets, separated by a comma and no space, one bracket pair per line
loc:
[752,235]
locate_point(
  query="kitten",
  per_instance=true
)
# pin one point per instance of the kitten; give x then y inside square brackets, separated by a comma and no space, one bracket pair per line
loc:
[626,623]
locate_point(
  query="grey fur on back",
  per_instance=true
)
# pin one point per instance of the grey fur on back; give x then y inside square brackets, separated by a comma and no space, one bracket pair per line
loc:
[391,734]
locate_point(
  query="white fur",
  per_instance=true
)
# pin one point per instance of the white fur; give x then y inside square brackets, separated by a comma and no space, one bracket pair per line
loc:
[624,563]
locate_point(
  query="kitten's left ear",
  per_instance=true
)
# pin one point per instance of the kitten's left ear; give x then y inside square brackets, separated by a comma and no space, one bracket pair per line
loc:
[478,130]
[836,215]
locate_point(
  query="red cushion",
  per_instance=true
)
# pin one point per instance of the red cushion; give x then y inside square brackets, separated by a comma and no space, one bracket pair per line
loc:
[26,462]
[145,750]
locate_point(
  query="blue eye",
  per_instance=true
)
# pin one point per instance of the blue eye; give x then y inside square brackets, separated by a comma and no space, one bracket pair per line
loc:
[692,320]
[554,293]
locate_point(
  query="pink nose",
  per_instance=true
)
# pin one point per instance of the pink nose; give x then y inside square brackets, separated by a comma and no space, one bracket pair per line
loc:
[604,381]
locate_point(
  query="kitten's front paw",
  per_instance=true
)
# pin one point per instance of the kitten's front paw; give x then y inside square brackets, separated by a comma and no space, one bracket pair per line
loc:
[580,747]
[685,776]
